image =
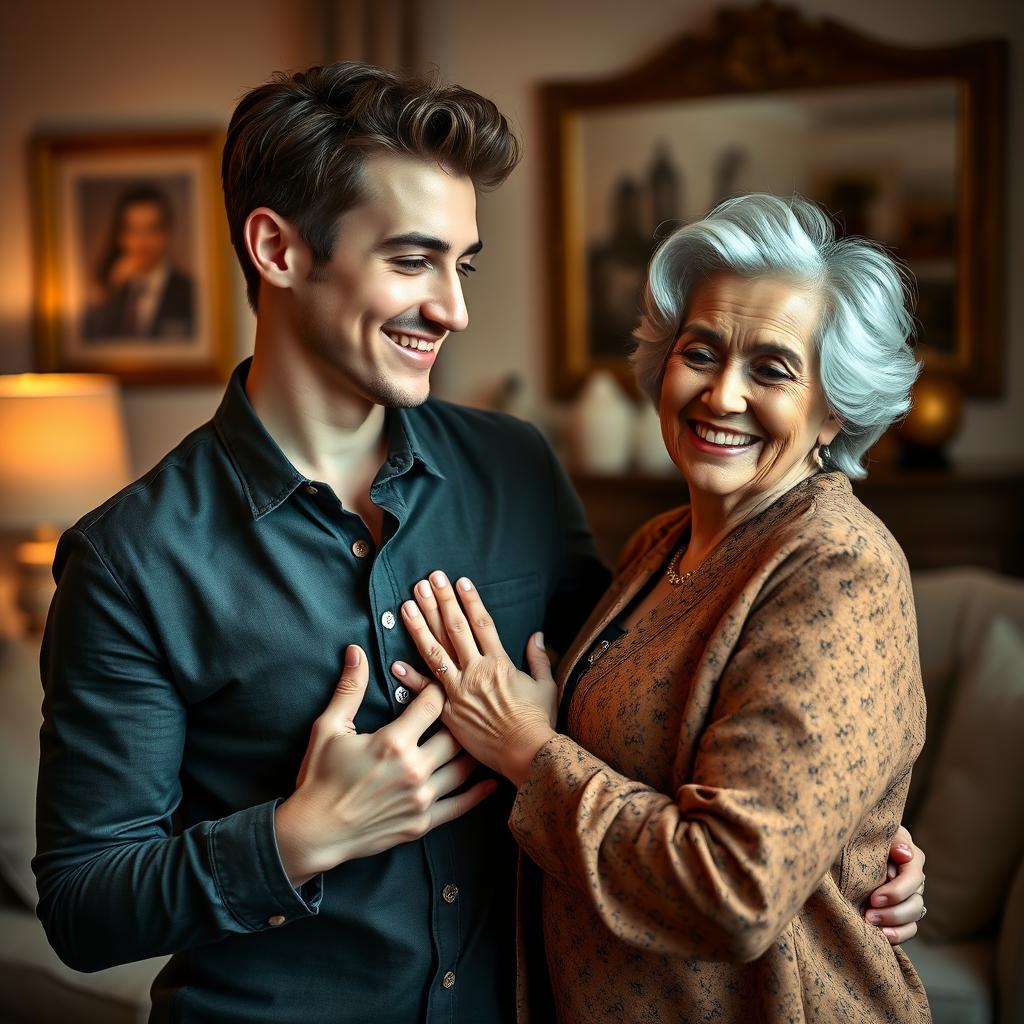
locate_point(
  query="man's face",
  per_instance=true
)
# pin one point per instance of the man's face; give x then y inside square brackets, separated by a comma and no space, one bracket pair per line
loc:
[143,238]
[379,311]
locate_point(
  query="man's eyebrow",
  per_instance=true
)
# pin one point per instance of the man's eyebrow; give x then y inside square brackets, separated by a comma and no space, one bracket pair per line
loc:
[419,240]
[773,348]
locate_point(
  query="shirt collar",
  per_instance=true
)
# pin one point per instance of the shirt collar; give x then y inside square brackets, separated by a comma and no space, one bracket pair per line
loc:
[267,477]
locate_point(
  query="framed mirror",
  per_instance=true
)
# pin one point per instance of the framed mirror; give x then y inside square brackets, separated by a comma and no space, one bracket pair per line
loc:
[905,146]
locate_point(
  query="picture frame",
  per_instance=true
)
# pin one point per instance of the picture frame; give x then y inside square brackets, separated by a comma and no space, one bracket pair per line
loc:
[718,112]
[132,258]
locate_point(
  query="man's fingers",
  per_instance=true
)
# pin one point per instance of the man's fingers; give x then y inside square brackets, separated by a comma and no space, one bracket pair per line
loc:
[907,912]
[906,883]
[453,774]
[897,936]
[440,748]
[480,621]
[348,691]
[453,807]
[419,715]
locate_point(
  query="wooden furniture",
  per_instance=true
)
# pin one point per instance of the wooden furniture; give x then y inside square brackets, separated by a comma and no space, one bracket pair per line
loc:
[968,515]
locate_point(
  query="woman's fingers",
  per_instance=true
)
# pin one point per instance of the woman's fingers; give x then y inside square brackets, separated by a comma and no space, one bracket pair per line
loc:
[480,621]
[463,641]
[424,595]
[431,649]
[409,677]
[537,659]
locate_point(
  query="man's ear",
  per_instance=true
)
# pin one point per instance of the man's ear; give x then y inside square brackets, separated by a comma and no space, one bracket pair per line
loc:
[275,248]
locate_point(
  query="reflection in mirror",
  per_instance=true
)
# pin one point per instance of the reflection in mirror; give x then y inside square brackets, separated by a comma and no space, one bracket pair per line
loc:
[882,159]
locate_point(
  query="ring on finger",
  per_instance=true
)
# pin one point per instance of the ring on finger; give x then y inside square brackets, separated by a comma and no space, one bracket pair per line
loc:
[924,910]
[442,668]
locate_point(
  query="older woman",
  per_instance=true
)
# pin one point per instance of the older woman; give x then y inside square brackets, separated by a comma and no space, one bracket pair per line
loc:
[738,720]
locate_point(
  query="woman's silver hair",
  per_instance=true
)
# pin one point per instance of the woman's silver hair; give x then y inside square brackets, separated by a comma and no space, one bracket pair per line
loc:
[865,363]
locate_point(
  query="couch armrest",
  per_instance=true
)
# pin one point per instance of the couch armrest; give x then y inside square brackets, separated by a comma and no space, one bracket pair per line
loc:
[1010,955]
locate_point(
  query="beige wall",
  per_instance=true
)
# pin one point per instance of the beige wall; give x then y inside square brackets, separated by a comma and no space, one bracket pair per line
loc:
[67,64]
[505,49]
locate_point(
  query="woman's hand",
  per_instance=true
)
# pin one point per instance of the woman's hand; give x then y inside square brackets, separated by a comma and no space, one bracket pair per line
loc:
[500,715]
[898,905]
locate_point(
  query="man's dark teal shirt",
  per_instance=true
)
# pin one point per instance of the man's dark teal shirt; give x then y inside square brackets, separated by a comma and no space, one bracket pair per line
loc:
[198,629]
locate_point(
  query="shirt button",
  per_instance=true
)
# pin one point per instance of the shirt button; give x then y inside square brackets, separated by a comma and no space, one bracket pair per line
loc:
[450,893]
[387,620]
[276,921]
[448,980]
[310,489]
[360,548]
[402,695]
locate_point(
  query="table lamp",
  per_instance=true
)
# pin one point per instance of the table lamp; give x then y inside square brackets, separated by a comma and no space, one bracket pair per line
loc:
[62,452]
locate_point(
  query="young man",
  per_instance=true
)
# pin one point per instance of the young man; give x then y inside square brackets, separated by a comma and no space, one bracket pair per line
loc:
[195,796]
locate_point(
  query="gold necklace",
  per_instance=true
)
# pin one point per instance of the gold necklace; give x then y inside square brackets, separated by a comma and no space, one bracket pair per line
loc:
[672,573]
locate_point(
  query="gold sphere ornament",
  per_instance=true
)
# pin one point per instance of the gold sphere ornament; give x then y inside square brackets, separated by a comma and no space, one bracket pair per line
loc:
[935,413]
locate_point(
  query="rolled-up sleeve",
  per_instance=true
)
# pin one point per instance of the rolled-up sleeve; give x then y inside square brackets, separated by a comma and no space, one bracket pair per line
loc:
[812,722]
[116,884]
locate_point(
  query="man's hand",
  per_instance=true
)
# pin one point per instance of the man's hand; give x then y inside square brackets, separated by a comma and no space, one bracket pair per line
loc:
[357,795]
[898,904]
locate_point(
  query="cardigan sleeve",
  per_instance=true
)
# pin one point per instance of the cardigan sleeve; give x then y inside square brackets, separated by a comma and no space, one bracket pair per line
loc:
[817,714]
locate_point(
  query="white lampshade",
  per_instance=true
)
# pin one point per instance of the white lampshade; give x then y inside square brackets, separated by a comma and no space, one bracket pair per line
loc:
[62,447]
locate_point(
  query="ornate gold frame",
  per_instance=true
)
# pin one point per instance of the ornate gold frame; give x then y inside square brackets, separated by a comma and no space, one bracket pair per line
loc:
[50,302]
[768,48]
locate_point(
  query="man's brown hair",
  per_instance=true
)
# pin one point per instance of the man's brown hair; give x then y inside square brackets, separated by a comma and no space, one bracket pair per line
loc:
[298,145]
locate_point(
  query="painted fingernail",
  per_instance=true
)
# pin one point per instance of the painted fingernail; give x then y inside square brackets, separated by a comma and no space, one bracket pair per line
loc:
[465,585]
[411,610]
[399,669]
[538,639]
[439,579]
[903,848]
[880,901]
[872,917]
[423,588]
[351,656]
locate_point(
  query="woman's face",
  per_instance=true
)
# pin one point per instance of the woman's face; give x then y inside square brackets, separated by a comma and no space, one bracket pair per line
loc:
[742,408]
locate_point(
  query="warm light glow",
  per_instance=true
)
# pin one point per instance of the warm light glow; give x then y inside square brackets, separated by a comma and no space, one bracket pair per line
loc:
[62,446]
[55,385]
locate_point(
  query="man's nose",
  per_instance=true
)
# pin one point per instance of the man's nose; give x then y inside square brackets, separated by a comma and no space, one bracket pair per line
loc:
[447,305]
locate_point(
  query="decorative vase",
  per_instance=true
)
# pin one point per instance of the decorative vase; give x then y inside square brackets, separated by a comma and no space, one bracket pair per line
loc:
[932,422]
[649,453]
[601,427]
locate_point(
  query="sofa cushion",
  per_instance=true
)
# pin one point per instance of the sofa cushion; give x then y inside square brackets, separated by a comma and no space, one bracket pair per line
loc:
[21,695]
[36,986]
[971,822]
[958,977]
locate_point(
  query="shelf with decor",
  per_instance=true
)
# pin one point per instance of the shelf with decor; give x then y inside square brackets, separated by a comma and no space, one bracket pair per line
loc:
[967,514]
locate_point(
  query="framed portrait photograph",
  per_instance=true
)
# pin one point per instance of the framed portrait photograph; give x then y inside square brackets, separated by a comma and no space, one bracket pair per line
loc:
[132,256]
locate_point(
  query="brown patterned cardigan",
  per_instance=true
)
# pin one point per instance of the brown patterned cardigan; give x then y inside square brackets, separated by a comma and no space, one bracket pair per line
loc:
[738,762]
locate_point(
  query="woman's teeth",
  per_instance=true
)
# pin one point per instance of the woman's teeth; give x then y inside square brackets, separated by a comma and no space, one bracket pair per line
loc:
[407,341]
[722,437]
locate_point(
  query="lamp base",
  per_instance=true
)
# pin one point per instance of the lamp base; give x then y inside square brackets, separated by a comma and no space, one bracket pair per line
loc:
[34,586]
